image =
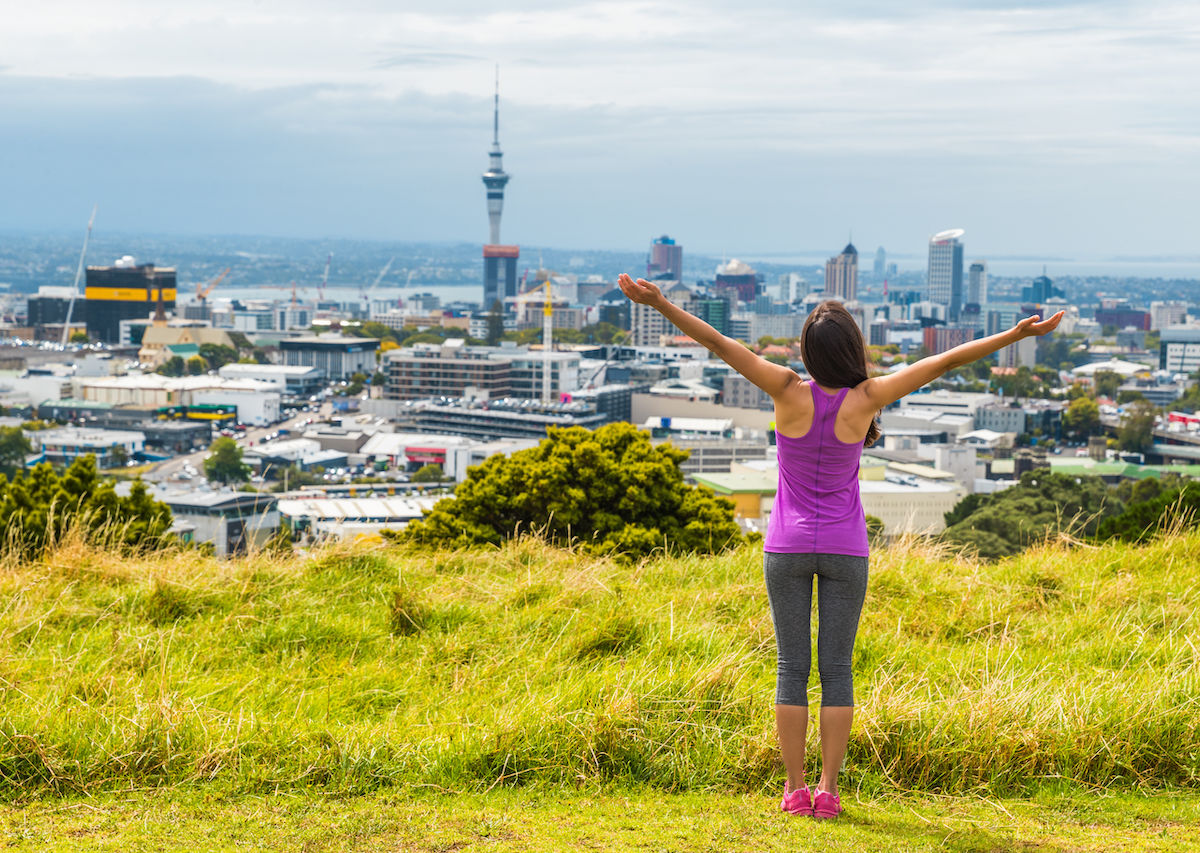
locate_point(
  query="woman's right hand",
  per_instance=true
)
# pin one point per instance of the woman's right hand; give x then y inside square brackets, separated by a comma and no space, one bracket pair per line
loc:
[640,291]
[1031,326]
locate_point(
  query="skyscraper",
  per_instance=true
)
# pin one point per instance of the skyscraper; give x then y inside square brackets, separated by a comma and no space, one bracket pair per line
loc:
[125,291]
[666,260]
[841,275]
[977,293]
[880,266]
[499,261]
[946,271]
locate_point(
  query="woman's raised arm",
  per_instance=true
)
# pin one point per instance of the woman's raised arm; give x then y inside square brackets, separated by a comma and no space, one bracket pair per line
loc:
[770,377]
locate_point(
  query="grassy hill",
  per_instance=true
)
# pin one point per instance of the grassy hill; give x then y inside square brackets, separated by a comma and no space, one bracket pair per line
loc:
[367,669]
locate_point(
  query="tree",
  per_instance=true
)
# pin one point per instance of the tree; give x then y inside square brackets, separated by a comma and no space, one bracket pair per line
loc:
[431,473]
[14,447]
[495,323]
[1082,418]
[196,366]
[119,455]
[218,355]
[1041,504]
[608,491]
[1137,430]
[173,366]
[224,464]
[1143,519]
[39,508]
[79,337]
[1107,382]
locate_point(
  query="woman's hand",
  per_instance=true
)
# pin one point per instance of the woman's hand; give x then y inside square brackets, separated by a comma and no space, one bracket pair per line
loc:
[640,291]
[1031,326]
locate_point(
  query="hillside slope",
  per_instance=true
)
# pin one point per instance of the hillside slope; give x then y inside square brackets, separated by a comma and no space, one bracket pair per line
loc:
[357,669]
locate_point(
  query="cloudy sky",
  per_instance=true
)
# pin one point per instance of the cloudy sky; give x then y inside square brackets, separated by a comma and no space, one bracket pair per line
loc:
[1065,128]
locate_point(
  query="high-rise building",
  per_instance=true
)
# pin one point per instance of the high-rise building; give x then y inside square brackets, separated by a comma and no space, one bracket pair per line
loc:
[1162,314]
[977,283]
[880,267]
[125,291]
[739,276]
[946,271]
[841,275]
[649,326]
[1041,290]
[499,261]
[666,260]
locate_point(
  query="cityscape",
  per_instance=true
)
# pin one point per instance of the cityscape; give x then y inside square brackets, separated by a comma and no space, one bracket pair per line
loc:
[359,393]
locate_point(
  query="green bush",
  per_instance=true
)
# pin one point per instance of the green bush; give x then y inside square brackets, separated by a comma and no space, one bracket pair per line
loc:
[608,491]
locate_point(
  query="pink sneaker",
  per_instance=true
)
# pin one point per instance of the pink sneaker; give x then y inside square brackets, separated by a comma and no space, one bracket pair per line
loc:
[826,805]
[796,802]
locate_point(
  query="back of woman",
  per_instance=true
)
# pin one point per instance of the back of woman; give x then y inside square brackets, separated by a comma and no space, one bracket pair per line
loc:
[817,504]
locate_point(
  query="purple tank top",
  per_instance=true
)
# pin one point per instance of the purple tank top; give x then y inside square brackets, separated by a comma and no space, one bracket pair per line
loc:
[818,509]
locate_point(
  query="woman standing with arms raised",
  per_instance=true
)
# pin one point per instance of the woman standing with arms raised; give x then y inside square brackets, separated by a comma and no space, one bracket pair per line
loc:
[817,528]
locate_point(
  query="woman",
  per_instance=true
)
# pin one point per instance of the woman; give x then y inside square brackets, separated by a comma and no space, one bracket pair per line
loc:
[817,528]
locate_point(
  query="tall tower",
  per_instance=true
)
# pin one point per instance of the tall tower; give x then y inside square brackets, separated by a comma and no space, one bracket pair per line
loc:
[946,271]
[666,260]
[495,177]
[977,283]
[841,275]
[499,261]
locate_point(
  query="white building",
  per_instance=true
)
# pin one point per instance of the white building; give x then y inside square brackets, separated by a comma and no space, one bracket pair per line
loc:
[320,517]
[257,402]
[64,446]
[291,380]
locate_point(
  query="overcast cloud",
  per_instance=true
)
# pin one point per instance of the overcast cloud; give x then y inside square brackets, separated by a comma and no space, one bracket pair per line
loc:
[1065,128]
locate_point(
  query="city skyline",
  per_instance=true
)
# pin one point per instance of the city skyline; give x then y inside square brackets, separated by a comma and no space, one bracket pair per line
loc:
[1062,130]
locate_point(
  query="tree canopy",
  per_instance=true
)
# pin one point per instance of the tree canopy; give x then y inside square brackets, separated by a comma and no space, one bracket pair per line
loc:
[224,463]
[39,508]
[1041,504]
[14,447]
[608,491]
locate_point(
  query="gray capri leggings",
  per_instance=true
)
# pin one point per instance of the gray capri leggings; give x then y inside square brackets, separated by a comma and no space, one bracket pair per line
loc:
[841,587]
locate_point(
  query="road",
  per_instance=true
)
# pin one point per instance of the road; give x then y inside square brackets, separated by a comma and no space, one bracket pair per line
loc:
[169,468]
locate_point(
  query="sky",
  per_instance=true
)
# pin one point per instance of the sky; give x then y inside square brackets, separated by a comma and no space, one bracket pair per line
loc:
[1062,129]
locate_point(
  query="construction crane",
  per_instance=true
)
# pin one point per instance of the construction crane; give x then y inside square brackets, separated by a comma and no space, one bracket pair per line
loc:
[324,280]
[366,293]
[202,290]
[547,341]
[78,275]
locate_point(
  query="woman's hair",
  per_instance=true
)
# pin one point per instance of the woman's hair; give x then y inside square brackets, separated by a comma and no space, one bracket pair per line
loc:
[834,353]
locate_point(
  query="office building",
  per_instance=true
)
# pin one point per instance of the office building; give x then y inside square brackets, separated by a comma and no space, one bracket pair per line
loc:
[649,327]
[938,339]
[1119,314]
[49,307]
[946,271]
[499,261]
[977,283]
[1179,349]
[1162,314]
[1041,290]
[451,369]
[666,260]
[841,275]
[125,291]
[739,277]
[879,268]
[715,312]
[336,356]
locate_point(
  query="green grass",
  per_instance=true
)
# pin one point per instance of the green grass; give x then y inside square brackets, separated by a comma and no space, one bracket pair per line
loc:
[597,819]
[370,673]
